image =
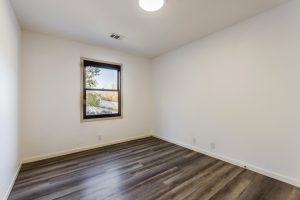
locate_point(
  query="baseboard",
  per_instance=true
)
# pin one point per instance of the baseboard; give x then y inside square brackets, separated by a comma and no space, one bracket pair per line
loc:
[253,168]
[70,151]
[12,182]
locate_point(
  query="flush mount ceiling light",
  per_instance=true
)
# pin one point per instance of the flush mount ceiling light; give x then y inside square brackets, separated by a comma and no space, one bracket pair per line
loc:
[151,5]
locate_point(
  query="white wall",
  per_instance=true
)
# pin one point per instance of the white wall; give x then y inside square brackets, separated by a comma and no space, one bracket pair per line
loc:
[238,88]
[51,96]
[9,87]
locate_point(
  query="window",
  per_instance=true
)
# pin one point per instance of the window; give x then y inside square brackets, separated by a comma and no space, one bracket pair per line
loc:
[101,90]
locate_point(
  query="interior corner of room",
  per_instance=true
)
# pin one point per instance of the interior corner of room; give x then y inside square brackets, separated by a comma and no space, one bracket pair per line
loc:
[227,93]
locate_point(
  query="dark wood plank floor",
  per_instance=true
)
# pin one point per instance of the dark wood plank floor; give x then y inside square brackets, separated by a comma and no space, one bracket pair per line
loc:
[142,170]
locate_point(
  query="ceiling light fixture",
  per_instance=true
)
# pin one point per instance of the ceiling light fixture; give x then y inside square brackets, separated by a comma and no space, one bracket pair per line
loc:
[151,5]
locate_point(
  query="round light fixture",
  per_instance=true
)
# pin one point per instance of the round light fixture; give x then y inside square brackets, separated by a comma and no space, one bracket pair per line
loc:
[151,5]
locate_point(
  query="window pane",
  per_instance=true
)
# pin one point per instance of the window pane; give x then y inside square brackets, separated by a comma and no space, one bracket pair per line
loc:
[101,78]
[101,102]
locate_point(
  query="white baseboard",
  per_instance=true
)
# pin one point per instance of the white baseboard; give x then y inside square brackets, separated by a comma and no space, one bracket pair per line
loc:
[256,169]
[12,183]
[66,152]
[253,168]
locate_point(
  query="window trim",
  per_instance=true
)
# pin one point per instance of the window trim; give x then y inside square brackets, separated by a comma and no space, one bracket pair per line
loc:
[83,117]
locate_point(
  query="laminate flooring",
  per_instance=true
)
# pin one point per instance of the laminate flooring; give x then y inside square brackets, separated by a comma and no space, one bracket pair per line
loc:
[144,169]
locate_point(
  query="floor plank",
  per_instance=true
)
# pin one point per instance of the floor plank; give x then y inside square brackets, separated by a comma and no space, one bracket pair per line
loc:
[144,169]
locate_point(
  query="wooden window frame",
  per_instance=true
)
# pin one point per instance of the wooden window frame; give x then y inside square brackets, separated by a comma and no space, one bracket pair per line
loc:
[104,65]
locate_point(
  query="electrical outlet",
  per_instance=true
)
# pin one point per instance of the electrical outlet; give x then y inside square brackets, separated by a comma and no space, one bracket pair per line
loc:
[99,138]
[212,146]
[194,141]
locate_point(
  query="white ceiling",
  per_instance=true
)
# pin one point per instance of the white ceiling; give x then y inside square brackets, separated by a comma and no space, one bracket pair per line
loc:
[147,34]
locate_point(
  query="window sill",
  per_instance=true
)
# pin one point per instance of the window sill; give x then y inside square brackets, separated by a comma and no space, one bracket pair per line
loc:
[100,119]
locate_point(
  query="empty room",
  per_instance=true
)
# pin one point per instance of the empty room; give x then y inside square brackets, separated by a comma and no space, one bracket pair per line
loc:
[150,100]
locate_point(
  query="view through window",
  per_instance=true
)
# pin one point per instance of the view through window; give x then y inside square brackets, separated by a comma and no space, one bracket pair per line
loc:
[101,90]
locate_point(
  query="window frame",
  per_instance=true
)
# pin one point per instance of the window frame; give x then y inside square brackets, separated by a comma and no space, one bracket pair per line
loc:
[106,65]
